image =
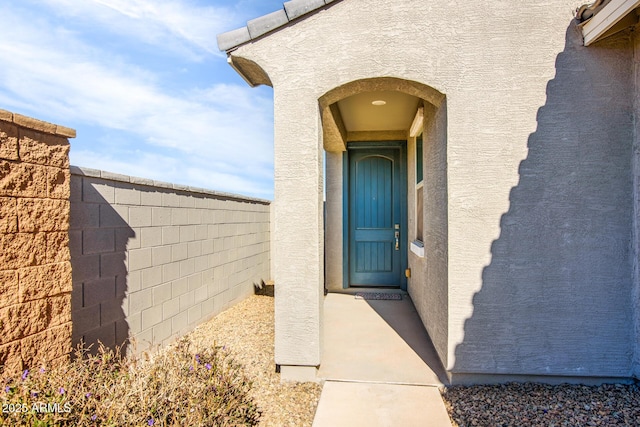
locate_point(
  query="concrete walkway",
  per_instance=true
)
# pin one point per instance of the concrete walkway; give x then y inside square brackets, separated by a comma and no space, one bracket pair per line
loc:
[379,366]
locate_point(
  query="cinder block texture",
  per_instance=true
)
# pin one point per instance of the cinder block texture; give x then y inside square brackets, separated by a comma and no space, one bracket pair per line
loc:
[35,272]
[144,254]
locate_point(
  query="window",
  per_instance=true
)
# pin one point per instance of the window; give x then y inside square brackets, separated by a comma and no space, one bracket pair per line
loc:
[417,247]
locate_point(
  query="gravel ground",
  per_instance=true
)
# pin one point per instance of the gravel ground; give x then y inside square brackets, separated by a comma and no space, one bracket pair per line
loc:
[543,405]
[247,331]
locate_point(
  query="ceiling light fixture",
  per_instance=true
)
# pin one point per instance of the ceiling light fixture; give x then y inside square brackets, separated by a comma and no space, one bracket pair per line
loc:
[379,102]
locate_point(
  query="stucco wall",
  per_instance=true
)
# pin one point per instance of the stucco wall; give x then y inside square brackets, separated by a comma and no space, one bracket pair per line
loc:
[153,260]
[298,237]
[35,272]
[538,174]
[333,227]
[636,204]
[428,285]
[555,295]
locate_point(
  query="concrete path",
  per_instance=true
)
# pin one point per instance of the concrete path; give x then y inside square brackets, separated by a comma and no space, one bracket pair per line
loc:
[379,366]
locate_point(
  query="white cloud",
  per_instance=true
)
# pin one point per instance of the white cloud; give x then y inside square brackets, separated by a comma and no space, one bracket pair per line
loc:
[182,26]
[174,170]
[221,133]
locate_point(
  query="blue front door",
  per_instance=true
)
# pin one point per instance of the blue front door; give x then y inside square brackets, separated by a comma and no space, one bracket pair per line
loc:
[377,215]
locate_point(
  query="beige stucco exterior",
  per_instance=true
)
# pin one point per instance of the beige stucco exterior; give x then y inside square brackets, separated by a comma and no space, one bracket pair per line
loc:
[432,268]
[528,182]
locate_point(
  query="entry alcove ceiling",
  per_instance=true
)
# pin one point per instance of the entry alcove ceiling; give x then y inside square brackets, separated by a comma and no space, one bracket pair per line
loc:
[360,115]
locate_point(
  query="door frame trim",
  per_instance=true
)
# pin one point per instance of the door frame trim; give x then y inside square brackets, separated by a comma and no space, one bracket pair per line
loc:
[402,146]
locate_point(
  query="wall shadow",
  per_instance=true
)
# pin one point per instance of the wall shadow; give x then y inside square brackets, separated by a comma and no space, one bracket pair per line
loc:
[407,324]
[369,340]
[555,298]
[98,238]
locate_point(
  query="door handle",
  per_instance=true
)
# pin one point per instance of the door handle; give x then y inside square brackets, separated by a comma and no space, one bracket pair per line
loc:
[397,234]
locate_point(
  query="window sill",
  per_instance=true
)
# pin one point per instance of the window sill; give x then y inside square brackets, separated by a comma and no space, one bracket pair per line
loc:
[417,247]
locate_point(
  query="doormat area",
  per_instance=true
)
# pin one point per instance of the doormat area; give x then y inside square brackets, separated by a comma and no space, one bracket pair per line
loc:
[378,296]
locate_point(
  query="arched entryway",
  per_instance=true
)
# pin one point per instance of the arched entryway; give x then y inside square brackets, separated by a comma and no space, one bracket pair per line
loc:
[413,121]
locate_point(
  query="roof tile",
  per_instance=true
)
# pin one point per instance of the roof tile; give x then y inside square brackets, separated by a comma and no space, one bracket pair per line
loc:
[297,8]
[266,23]
[293,9]
[233,38]
[589,10]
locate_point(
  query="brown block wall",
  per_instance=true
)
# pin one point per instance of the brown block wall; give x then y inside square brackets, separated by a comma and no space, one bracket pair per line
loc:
[35,267]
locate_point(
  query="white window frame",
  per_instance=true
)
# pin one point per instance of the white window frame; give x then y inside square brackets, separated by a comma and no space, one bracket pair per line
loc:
[416,131]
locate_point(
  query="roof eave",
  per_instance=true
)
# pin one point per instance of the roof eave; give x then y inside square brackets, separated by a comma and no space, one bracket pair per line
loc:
[292,10]
[612,14]
[239,71]
[251,72]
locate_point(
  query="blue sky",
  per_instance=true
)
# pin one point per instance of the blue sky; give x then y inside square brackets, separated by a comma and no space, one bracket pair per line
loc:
[144,85]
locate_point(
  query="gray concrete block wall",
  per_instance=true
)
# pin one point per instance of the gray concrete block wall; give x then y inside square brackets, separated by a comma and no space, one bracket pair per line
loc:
[152,260]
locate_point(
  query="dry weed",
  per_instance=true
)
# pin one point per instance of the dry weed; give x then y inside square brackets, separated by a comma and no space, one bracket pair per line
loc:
[181,385]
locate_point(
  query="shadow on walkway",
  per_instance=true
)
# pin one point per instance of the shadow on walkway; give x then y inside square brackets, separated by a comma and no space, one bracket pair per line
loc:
[380,341]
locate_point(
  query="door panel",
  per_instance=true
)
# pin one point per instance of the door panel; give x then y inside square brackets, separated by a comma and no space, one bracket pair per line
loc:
[374,177]
[375,207]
